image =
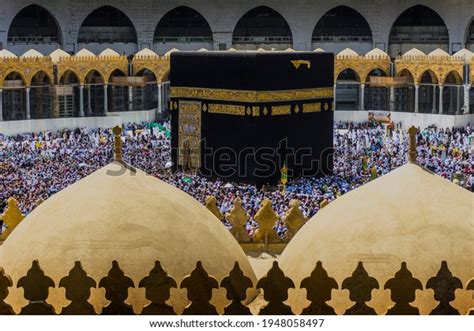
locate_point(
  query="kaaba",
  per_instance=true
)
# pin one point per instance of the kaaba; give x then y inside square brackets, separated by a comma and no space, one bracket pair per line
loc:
[243,116]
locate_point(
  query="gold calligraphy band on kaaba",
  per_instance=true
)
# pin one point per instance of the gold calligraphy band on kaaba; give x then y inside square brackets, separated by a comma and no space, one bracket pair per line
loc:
[251,96]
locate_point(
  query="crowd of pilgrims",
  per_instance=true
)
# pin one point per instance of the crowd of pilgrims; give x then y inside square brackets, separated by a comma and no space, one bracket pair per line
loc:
[37,165]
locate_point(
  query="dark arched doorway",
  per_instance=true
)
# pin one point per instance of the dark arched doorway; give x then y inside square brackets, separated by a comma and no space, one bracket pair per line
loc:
[41,96]
[342,27]
[183,28]
[347,90]
[262,27]
[420,27]
[34,25]
[108,27]
[14,97]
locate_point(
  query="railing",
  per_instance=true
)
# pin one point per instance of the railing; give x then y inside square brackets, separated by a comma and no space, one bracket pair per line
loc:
[199,285]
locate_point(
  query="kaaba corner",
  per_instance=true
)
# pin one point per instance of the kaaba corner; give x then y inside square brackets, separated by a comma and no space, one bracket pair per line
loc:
[242,116]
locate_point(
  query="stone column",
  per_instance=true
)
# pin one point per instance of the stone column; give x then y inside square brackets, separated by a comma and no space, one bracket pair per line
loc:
[440,99]
[1,104]
[392,99]
[28,108]
[81,100]
[130,98]
[89,101]
[362,96]
[458,99]
[106,99]
[417,103]
[160,102]
[467,88]
[334,93]
[433,110]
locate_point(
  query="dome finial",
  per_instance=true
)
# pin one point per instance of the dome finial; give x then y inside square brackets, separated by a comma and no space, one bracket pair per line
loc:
[412,144]
[117,130]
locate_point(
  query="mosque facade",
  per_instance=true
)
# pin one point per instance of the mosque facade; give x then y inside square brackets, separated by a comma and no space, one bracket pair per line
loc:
[86,59]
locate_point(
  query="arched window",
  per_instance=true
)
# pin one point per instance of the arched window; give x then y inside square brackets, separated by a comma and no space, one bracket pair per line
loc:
[347,90]
[41,96]
[420,27]
[107,25]
[376,97]
[183,25]
[14,97]
[262,27]
[34,25]
[342,24]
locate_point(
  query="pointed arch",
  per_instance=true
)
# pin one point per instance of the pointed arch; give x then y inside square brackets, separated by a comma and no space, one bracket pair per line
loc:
[34,24]
[470,35]
[107,24]
[183,25]
[420,27]
[262,27]
[342,24]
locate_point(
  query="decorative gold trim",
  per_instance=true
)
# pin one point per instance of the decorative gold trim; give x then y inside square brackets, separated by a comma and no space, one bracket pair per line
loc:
[226,109]
[281,110]
[256,111]
[189,106]
[311,108]
[251,96]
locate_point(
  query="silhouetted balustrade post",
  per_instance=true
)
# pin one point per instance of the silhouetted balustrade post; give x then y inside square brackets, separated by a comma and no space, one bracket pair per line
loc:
[36,290]
[319,290]
[360,286]
[78,285]
[236,285]
[275,287]
[444,286]
[5,283]
[116,286]
[157,289]
[402,291]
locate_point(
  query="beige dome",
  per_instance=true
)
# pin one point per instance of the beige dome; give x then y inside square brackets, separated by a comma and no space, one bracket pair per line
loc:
[32,53]
[407,215]
[58,54]
[146,52]
[414,52]
[133,218]
[347,52]
[84,53]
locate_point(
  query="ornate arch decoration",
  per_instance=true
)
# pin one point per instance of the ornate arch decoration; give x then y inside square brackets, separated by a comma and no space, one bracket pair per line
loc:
[158,65]
[68,73]
[336,74]
[45,74]
[5,73]
[457,77]
[368,70]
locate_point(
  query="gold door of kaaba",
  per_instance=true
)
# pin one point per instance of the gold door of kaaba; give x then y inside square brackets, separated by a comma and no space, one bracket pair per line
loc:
[189,151]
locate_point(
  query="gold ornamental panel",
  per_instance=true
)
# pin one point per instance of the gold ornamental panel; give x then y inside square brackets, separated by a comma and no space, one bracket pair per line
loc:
[189,135]
[281,110]
[439,67]
[160,67]
[251,96]
[82,65]
[311,107]
[227,109]
[27,68]
[362,66]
